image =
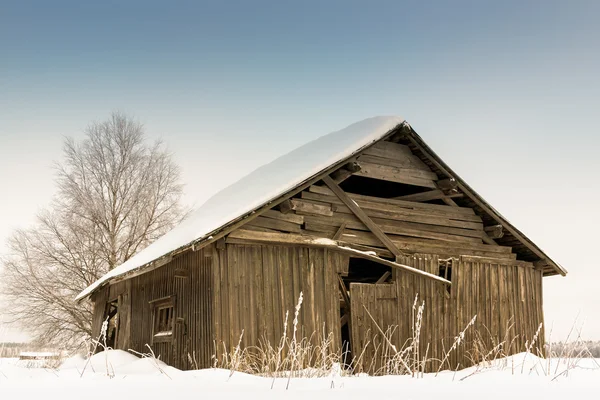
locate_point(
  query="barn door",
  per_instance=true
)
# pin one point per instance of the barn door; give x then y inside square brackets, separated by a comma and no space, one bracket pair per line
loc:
[374,325]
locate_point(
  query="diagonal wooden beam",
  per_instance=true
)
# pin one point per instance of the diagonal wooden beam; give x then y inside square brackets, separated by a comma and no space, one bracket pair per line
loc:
[426,196]
[340,231]
[361,215]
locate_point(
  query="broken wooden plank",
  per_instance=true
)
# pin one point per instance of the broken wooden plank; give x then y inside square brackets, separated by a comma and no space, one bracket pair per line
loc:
[360,214]
[487,239]
[346,172]
[294,218]
[447,184]
[306,207]
[435,194]
[383,277]
[494,231]
[277,224]
[285,206]
[398,240]
[403,228]
[391,174]
[400,203]
[392,227]
[340,231]
[377,210]
[382,207]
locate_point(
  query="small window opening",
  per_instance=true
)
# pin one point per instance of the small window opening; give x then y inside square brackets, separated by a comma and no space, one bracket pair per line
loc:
[112,318]
[445,271]
[163,320]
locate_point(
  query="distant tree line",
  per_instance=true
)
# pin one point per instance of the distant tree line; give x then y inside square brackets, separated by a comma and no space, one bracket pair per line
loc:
[588,348]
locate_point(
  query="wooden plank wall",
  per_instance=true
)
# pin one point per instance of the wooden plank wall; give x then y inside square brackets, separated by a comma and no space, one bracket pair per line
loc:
[255,285]
[188,278]
[506,297]
[373,331]
[99,300]
[412,226]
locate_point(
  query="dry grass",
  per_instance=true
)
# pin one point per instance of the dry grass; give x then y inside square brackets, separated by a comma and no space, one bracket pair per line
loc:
[315,356]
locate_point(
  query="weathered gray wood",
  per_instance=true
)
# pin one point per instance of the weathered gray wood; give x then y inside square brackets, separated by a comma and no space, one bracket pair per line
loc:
[277,224]
[399,175]
[384,277]
[340,231]
[394,227]
[241,236]
[296,219]
[396,202]
[424,149]
[346,172]
[360,214]
[447,184]
[494,231]
[435,194]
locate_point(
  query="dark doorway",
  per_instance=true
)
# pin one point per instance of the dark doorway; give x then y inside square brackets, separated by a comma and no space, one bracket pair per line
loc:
[359,271]
[112,318]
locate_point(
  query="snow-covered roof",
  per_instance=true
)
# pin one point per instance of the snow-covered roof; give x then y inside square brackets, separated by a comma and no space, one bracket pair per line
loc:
[258,188]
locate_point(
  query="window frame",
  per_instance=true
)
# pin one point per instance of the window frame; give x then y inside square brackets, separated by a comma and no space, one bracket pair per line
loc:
[163,303]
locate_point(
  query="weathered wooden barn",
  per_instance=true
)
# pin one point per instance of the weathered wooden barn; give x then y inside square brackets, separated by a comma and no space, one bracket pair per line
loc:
[360,221]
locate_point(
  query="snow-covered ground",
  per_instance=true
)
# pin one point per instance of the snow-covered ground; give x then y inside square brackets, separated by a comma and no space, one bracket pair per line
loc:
[117,374]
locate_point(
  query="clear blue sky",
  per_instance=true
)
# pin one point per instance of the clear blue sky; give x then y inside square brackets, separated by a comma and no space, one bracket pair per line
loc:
[506,92]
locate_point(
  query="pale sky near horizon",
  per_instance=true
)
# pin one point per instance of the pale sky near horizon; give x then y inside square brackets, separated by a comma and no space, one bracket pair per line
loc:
[507,93]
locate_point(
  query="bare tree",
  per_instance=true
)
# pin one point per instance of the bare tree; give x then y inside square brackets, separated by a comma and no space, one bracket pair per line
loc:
[116,194]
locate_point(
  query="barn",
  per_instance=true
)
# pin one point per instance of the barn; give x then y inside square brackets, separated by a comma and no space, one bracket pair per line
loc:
[367,223]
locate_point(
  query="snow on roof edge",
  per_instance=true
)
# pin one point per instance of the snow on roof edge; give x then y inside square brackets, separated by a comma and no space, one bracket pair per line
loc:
[256,189]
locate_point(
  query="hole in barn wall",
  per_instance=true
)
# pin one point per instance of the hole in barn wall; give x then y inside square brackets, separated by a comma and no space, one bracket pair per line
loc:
[378,188]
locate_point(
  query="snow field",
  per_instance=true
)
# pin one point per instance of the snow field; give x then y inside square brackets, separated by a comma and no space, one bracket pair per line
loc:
[117,374]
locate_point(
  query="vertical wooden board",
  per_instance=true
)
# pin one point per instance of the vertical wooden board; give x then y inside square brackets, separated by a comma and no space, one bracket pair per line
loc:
[484,286]
[275,294]
[494,300]
[267,256]
[305,283]
[258,293]
[520,305]
[320,303]
[233,315]
[513,285]
[461,301]
[288,273]
[249,297]
[216,297]
[332,299]
[475,310]
[311,297]
[502,305]
[296,279]
[225,299]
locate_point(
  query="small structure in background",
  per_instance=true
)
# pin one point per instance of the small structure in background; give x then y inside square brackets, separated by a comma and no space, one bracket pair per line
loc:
[39,355]
[361,222]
